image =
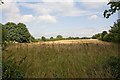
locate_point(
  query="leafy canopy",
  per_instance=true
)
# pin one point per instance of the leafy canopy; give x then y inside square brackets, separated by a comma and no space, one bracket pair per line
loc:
[16,32]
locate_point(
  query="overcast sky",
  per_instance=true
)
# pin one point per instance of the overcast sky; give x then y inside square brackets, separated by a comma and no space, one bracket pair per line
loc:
[52,17]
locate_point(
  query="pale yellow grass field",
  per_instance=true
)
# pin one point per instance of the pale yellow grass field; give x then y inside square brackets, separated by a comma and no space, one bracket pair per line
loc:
[73,41]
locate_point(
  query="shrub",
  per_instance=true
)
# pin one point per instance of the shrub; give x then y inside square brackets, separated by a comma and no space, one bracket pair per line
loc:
[113,63]
[12,70]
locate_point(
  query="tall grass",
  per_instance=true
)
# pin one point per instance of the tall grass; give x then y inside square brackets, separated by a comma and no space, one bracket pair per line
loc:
[74,60]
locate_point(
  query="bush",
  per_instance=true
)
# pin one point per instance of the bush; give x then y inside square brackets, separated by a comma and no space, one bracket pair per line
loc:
[113,63]
[43,38]
[12,70]
[108,38]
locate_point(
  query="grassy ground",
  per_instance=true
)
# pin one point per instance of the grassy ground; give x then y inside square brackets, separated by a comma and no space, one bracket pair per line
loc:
[62,59]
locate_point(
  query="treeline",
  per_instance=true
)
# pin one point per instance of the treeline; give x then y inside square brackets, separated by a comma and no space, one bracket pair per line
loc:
[12,32]
[113,35]
[59,37]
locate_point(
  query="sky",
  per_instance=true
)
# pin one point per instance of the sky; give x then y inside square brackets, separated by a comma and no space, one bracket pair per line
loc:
[49,18]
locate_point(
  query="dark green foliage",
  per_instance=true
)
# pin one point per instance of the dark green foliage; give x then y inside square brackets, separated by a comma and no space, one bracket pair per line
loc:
[113,63]
[103,34]
[18,33]
[70,38]
[43,38]
[108,37]
[115,31]
[112,36]
[85,38]
[59,37]
[96,36]
[12,70]
[51,38]
[76,38]
[114,6]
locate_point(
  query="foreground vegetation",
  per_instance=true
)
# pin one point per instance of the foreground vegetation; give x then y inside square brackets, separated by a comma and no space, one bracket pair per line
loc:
[59,60]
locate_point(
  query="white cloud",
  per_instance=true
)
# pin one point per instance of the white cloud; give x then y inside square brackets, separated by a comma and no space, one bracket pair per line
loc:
[27,18]
[94,4]
[93,17]
[11,11]
[56,8]
[47,19]
[44,11]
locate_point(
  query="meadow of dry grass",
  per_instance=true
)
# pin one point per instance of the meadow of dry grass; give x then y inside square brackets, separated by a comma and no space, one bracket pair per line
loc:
[62,59]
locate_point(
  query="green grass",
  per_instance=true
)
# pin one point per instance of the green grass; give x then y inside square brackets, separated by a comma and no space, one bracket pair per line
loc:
[83,60]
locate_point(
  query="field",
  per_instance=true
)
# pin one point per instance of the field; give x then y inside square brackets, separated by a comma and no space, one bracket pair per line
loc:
[61,59]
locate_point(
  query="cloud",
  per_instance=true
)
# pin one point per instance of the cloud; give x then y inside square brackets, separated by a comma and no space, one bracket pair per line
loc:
[93,17]
[94,4]
[47,19]
[56,8]
[10,11]
[27,18]
[45,10]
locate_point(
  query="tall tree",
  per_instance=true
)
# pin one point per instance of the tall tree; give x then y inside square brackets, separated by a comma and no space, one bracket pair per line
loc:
[115,31]
[13,32]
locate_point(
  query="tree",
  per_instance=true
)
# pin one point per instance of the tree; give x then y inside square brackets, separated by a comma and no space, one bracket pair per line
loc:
[76,38]
[108,37]
[51,38]
[13,32]
[59,37]
[70,37]
[43,38]
[115,31]
[23,33]
[114,6]
[96,36]
[103,34]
